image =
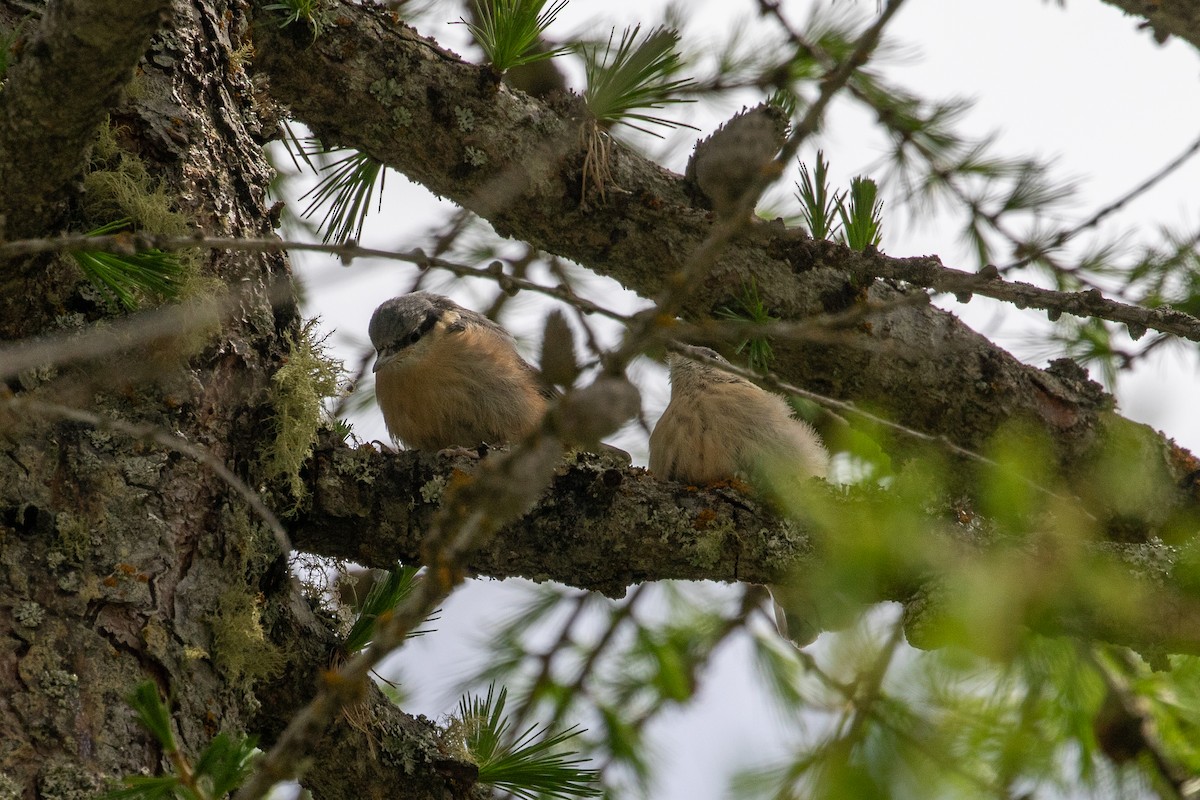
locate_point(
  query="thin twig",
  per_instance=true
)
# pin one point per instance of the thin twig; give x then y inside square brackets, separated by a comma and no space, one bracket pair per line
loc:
[1116,205]
[128,243]
[929,273]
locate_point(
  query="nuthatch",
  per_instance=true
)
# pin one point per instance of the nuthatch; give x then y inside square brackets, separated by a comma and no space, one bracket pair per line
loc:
[446,376]
[725,165]
[720,426]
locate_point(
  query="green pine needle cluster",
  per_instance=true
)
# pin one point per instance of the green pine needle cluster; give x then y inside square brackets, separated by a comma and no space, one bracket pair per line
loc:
[298,389]
[346,193]
[861,217]
[818,204]
[127,278]
[525,766]
[222,767]
[508,31]
[826,213]
[310,12]
[386,593]
[750,308]
[623,83]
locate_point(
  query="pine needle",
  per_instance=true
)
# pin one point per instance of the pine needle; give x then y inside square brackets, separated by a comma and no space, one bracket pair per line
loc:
[636,75]
[347,192]
[509,31]
[526,767]
[127,277]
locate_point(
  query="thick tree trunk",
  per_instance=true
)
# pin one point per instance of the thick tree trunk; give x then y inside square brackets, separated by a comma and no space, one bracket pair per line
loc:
[121,560]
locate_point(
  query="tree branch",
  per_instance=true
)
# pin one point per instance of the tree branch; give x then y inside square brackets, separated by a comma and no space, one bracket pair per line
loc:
[603,527]
[954,383]
[1091,303]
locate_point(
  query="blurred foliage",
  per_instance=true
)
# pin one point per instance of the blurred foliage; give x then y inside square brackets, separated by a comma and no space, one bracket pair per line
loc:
[994,707]
[221,768]
[750,308]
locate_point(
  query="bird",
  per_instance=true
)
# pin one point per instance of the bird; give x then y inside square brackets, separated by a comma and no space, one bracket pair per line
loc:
[448,377]
[719,426]
[738,154]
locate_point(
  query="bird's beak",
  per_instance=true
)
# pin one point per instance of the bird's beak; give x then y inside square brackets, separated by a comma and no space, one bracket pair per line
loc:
[383,358]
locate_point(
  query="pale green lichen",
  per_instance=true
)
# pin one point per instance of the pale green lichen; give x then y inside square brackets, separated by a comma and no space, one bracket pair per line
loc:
[58,684]
[119,185]
[402,117]
[240,647]
[465,117]
[61,779]
[359,464]
[712,542]
[193,653]
[297,391]
[74,537]
[474,156]
[70,582]
[29,614]
[431,491]
[385,90]
[1153,560]
[9,788]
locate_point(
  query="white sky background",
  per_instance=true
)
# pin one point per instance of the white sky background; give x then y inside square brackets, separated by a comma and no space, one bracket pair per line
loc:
[1081,86]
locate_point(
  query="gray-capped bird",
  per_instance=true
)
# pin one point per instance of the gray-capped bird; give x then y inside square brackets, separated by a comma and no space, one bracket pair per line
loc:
[446,376]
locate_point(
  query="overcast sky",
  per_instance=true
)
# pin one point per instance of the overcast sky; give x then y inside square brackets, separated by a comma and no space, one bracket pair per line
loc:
[1082,87]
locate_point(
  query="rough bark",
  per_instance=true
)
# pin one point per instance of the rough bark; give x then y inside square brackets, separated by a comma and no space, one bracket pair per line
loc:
[517,163]
[49,112]
[121,560]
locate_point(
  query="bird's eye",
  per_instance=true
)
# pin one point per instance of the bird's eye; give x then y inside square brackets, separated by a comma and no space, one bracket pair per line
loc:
[426,325]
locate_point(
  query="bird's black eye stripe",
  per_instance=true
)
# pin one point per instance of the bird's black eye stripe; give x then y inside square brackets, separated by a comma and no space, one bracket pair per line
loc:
[430,320]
